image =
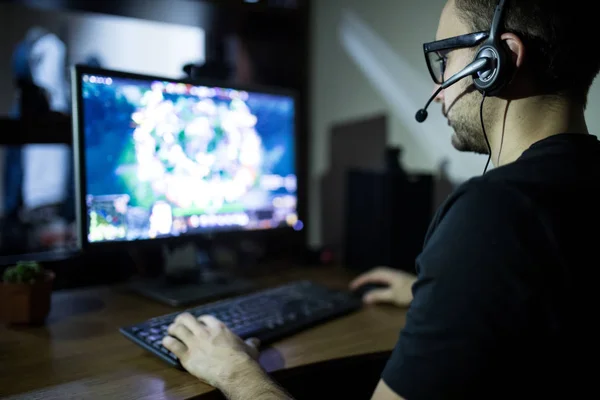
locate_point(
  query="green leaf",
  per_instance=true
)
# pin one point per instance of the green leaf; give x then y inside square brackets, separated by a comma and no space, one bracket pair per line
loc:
[23,271]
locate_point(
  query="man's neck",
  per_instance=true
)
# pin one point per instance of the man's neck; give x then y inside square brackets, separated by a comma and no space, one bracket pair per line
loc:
[523,122]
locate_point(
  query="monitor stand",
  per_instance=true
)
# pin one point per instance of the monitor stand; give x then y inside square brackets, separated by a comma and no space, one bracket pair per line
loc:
[197,282]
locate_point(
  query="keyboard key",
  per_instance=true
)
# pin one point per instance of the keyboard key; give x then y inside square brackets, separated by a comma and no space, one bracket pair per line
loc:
[249,330]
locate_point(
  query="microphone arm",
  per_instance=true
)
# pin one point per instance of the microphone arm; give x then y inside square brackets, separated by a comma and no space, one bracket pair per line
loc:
[481,64]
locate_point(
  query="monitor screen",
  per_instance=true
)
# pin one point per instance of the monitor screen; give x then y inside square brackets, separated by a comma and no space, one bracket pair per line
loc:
[161,158]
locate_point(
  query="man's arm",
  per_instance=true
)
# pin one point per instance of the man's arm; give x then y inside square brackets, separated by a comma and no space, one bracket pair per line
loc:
[208,350]
[383,392]
[473,302]
[254,385]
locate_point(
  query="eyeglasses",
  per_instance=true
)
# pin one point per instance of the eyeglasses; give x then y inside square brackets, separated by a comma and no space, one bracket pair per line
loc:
[436,52]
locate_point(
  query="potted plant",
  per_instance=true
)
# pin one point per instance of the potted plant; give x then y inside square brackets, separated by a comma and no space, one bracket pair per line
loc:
[25,293]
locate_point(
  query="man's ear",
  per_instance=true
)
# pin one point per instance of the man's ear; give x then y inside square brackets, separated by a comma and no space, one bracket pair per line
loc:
[515,47]
[520,85]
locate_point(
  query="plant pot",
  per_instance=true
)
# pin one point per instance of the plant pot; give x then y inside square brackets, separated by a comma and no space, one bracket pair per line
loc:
[26,303]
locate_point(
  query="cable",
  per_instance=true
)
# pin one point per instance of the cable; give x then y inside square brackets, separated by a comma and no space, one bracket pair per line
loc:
[485,134]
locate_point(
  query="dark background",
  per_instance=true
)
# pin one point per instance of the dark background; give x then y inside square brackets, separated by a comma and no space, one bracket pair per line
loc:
[263,43]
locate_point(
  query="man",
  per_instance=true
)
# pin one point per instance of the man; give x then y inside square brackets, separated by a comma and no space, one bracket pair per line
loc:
[504,300]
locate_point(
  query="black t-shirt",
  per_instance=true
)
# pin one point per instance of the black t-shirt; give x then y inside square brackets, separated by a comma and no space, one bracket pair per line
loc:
[505,304]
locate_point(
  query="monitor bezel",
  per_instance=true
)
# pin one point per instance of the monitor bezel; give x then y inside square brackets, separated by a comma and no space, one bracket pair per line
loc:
[77,71]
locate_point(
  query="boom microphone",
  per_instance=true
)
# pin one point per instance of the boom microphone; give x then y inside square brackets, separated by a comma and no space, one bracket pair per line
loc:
[479,65]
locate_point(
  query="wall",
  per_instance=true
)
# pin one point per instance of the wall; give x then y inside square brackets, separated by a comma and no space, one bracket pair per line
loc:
[133,45]
[368,59]
[121,42]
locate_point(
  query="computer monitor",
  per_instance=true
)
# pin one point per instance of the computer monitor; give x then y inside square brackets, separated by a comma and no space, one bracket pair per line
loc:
[158,158]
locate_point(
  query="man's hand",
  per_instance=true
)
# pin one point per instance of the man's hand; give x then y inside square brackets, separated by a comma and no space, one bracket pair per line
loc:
[208,350]
[398,290]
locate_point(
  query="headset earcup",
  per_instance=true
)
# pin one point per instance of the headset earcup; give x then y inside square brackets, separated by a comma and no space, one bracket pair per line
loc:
[491,82]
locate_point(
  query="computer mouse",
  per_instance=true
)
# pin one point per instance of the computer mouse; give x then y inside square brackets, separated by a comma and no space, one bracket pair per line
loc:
[367,287]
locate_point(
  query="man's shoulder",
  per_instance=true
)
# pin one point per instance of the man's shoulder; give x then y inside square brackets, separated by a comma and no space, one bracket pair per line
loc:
[484,196]
[485,221]
[478,196]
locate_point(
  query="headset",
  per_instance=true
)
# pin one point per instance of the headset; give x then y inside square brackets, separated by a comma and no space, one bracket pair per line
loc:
[490,81]
[491,70]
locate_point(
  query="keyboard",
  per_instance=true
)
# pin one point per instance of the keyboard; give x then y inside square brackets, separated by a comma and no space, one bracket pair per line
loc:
[268,315]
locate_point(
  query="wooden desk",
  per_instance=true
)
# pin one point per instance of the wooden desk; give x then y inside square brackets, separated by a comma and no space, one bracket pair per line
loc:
[80,353]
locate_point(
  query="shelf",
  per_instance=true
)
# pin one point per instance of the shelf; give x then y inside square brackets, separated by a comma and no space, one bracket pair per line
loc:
[54,128]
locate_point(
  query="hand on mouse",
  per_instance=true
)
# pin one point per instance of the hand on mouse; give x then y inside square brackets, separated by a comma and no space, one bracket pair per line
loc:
[398,290]
[210,351]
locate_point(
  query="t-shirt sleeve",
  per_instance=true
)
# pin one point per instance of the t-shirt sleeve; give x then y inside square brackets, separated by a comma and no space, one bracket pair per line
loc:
[472,300]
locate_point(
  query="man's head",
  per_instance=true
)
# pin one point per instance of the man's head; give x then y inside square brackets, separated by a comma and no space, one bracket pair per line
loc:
[546,42]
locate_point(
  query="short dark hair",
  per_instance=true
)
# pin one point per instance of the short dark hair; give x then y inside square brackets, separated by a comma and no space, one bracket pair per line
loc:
[559,36]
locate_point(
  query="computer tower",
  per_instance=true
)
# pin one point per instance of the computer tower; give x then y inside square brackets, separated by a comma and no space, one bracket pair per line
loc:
[370,136]
[387,215]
